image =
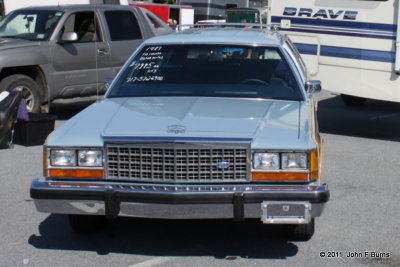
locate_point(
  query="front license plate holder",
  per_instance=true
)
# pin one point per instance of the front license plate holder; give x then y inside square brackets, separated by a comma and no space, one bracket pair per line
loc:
[285,212]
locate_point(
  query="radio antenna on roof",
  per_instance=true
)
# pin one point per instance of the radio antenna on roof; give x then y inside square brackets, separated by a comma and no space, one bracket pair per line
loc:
[269,15]
[96,53]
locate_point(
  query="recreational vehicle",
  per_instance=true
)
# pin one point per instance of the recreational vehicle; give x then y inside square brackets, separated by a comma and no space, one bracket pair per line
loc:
[353,46]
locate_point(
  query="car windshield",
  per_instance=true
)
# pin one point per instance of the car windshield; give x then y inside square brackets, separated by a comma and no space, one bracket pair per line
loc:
[34,25]
[208,70]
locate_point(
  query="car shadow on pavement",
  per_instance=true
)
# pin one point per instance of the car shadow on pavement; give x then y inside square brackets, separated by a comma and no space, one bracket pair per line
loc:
[376,119]
[222,239]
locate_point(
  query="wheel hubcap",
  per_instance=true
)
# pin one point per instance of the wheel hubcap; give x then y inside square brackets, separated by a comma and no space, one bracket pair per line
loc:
[28,96]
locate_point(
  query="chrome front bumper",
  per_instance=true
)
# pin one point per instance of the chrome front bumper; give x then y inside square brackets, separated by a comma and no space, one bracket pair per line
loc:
[171,201]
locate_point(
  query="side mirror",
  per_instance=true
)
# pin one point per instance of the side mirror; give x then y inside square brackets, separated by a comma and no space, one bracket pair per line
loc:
[68,37]
[313,86]
[107,82]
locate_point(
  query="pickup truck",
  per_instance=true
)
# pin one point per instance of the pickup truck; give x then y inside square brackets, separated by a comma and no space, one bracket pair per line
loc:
[67,51]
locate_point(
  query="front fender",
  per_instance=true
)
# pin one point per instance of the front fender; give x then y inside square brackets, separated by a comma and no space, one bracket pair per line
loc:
[27,56]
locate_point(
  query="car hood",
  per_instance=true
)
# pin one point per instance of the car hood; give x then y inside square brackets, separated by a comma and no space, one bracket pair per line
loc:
[275,123]
[11,43]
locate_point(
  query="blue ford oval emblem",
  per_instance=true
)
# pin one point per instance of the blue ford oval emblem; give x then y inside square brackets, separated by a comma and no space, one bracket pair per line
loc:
[223,165]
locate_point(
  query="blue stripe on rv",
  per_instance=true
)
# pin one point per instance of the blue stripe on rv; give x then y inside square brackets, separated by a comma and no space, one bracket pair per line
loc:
[339,24]
[342,33]
[349,53]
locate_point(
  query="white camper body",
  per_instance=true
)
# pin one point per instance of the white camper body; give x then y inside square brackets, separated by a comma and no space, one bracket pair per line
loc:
[352,46]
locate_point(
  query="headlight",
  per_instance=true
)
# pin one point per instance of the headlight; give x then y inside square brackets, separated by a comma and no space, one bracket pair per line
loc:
[84,163]
[294,161]
[63,157]
[90,158]
[266,161]
[286,166]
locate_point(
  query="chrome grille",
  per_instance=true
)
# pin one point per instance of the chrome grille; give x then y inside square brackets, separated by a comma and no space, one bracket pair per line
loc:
[178,162]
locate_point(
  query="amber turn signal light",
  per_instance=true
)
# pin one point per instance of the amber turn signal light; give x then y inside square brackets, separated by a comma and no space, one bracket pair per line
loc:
[83,174]
[314,165]
[44,161]
[279,176]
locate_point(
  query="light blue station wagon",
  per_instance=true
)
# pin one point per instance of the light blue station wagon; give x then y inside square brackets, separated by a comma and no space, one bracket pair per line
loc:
[199,124]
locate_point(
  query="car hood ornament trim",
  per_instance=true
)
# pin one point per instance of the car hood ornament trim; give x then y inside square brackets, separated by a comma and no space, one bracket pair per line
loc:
[176,129]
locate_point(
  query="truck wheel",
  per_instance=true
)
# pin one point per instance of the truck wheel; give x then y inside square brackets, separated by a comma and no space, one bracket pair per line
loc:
[353,101]
[30,90]
[302,232]
[87,223]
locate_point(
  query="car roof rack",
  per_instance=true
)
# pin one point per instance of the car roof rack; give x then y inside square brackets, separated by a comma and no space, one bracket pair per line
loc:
[221,25]
[263,16]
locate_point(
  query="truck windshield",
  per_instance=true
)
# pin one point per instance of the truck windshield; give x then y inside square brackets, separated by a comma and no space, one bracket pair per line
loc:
[208,70]
[35,25]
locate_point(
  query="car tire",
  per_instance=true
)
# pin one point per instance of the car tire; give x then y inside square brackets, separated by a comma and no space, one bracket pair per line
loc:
[302,232]
[353,101]
[30,90]
[84,224]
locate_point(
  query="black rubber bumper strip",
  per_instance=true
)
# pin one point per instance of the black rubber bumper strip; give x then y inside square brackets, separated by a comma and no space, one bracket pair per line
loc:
[238,207]
[111,202]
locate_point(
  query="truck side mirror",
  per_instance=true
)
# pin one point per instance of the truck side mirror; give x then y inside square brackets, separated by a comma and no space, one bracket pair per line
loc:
[313,86]
[107,82]
[68,37]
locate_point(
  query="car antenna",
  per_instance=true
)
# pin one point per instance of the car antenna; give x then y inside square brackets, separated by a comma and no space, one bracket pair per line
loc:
[96,54]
